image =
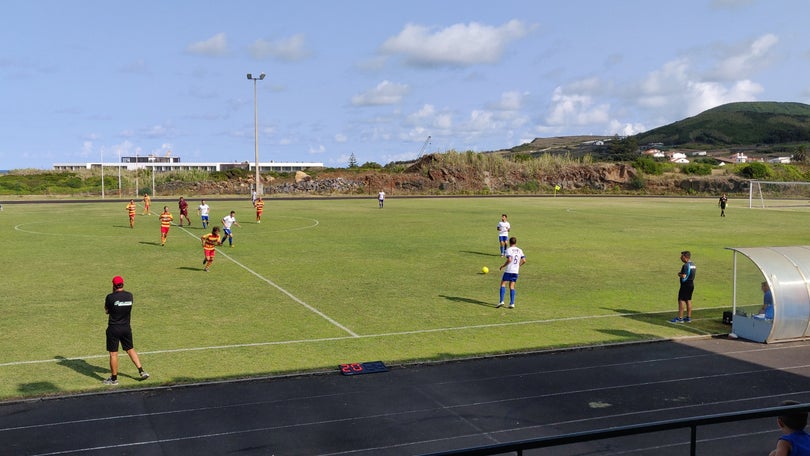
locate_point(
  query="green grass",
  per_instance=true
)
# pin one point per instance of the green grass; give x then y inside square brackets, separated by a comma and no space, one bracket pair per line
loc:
[323,282]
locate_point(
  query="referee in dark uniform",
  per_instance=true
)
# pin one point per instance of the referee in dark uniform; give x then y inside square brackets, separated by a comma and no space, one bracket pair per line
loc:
[118,305]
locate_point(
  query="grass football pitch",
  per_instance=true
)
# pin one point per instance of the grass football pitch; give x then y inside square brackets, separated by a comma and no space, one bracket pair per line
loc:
[324,282]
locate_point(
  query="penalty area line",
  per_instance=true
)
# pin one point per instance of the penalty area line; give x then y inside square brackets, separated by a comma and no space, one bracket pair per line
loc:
[279,288]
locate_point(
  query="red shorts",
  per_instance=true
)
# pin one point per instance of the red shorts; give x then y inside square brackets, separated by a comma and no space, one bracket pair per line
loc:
[210,253]
[164,230]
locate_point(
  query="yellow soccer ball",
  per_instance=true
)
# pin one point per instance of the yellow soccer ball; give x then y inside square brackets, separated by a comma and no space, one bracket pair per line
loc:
[485,270]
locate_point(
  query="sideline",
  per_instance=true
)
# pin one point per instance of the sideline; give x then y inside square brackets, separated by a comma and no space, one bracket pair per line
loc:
[383,335]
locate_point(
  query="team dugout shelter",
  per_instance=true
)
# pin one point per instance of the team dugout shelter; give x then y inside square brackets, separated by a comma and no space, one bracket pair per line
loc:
[787,273]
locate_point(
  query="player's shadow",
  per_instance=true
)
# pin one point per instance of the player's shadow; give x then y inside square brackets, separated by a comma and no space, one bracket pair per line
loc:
[466,300]
[479,253]
[628,335]
[189,268]
[149,243]
[83,367]
[121,226]
[662,319]
[37,388]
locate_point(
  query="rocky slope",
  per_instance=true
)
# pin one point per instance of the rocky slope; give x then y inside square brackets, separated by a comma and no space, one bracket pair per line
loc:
[429,176]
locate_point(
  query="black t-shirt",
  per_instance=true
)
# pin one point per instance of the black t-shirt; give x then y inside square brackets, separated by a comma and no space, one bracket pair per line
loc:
[688,270]
[119,306]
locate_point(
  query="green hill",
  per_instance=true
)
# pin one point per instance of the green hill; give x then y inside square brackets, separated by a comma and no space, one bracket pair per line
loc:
[736,124]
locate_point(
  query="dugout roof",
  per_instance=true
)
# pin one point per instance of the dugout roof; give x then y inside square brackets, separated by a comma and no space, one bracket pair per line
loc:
[787,271]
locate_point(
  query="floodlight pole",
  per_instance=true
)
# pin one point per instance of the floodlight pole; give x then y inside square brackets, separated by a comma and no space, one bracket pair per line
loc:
[137,189]
[102,174]
[258,185]
[119,173]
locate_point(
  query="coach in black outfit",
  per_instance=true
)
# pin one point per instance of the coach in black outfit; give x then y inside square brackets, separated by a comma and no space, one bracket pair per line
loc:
[118,305]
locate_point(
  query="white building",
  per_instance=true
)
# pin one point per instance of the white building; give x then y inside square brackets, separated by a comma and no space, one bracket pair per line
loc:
[163,164]
[739,157]
[678,157]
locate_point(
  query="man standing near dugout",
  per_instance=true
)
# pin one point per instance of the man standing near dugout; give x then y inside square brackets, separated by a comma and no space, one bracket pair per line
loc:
[686,278]
[118,305]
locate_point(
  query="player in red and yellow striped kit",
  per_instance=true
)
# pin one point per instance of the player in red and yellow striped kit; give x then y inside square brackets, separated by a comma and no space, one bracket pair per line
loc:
[209,244]
[131,208]
[165,223]
[259,203]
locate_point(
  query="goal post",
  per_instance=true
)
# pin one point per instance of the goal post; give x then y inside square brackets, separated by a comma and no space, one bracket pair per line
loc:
[773,194]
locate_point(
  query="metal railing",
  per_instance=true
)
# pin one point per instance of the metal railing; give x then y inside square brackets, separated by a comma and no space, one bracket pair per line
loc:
[693,423]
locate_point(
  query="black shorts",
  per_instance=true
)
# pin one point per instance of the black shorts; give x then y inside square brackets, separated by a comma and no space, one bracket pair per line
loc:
[119,333]
[685,292]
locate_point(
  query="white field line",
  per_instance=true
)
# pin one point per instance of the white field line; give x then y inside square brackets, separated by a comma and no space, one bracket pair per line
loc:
[365,336]
[352,334]
[276,286]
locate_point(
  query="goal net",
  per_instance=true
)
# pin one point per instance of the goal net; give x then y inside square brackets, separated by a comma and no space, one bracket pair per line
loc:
[768,194]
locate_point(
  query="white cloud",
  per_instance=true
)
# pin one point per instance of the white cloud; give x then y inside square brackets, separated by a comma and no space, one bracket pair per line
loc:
[668,80]
[288,49]
[749,60]
[456,45]
[423,114]
[575,109]
[341,138]
[217,45]
[616,127]
[385,93]
[509,101]
[707,95]
[443,121]
[677,89]
[428,117]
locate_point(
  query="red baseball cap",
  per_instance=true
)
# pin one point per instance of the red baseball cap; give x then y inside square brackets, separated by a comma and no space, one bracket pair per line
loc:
[118,280]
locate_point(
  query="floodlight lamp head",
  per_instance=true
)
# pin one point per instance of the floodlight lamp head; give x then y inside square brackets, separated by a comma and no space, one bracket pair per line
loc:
[250,76]
[261,76]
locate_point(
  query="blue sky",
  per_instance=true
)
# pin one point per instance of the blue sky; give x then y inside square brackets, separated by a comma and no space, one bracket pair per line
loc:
[82,79]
